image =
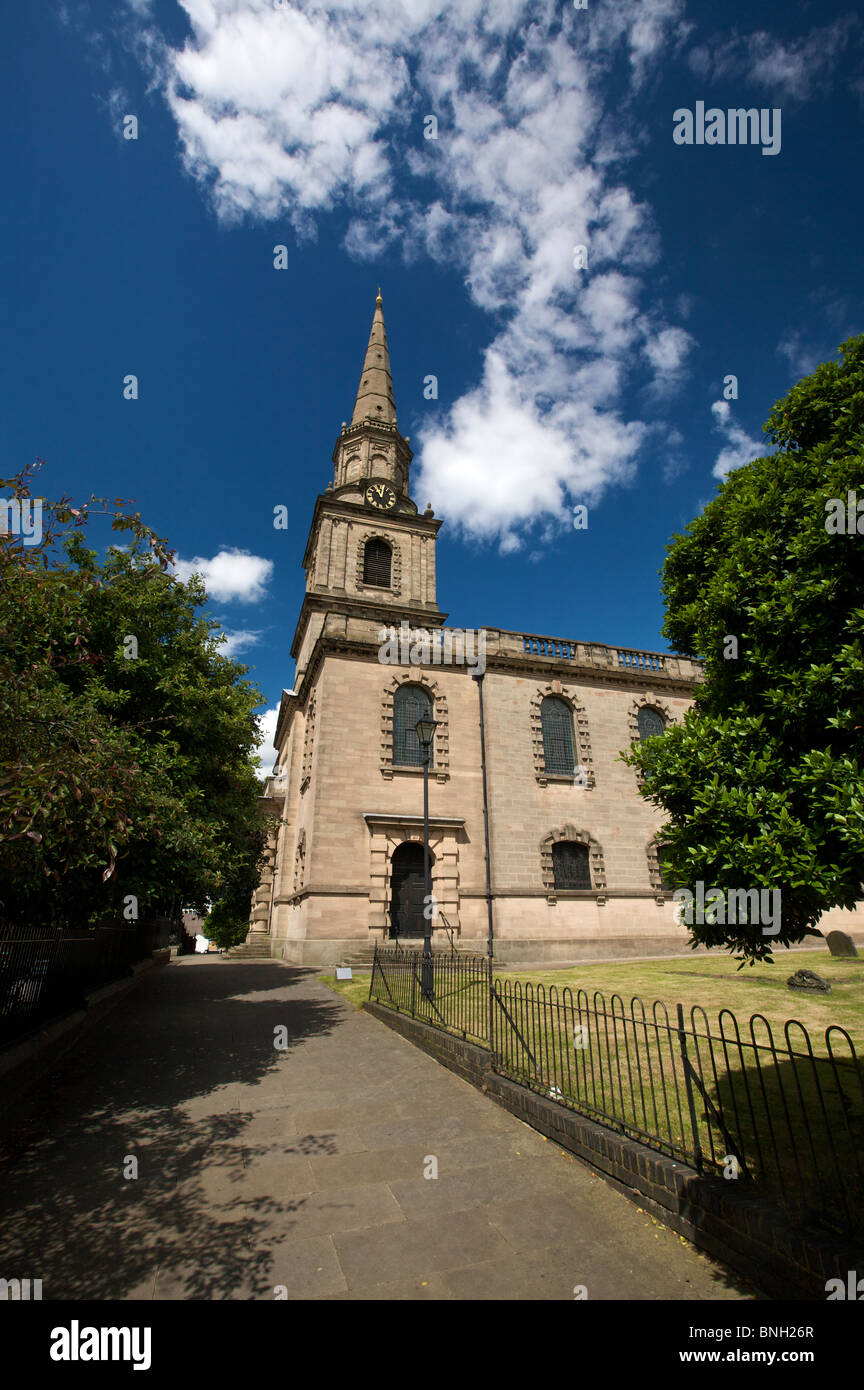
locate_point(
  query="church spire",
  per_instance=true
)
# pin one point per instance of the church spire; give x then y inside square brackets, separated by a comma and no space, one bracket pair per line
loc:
[375,392]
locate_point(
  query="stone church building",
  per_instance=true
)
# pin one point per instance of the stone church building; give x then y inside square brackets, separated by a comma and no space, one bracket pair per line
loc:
[526,744]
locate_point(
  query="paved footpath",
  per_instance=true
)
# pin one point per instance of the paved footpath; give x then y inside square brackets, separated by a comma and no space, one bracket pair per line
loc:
[302,1168]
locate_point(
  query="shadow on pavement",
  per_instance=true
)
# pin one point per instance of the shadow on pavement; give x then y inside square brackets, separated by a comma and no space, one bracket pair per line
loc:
[158,1081]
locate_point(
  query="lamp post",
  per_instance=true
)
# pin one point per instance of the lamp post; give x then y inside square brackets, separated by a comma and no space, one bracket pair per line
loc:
[425,729]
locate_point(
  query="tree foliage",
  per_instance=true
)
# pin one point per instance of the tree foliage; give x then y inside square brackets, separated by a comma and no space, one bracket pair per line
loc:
[125,765]
[762,783]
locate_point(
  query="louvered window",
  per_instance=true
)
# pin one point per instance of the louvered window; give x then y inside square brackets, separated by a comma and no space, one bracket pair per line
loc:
[650,722]
[570,865]
[377,560]
[557,722]
[410,703]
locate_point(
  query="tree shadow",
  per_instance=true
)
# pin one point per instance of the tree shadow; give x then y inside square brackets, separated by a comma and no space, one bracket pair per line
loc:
[799,1125]
[157,1081]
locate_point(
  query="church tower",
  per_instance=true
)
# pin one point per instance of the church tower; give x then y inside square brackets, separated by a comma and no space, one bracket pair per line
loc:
[370,554]
[562,865]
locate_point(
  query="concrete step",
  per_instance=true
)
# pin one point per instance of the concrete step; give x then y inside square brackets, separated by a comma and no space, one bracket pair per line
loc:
[249,950]
[364,956]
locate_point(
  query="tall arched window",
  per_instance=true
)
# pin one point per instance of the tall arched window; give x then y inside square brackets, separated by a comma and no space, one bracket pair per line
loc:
[662,864]
[650,722]
[556,718]
[410,703]
[570,865]
[377,563]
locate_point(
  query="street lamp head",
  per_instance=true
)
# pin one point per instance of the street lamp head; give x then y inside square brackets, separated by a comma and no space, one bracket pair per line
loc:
[425,729]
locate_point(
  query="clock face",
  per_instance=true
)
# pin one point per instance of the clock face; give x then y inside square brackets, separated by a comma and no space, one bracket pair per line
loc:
[380,495]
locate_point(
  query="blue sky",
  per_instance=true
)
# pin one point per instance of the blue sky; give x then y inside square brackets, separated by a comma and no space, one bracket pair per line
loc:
[264,123]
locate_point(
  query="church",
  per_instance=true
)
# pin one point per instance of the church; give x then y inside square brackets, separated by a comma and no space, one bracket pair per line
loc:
[539,839]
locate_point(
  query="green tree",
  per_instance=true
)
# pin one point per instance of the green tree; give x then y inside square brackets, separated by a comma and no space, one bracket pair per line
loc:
[225,925]
[126,738]
[762,783]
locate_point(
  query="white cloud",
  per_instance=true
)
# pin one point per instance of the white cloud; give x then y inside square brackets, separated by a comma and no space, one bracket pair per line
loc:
[837,324]
[667,351]
[266,751]
[740,448]
[802,359]
[792,72]
[230,576]
[295,109]
[236,640]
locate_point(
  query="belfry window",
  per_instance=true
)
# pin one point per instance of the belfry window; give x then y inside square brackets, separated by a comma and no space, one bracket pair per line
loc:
[556,719]
[410,703]
[570,865]
[377,563]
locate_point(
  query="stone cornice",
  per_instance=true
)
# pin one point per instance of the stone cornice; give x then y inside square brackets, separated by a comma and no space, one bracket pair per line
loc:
[383,429]
[361,609]
[380,819]
[579,663]
[327,502]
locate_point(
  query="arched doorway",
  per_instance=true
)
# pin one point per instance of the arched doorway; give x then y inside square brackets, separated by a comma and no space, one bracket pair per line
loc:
[407,891]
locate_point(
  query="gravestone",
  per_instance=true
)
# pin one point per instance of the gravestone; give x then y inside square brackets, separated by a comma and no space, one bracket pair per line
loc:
[840,943]
[806,980]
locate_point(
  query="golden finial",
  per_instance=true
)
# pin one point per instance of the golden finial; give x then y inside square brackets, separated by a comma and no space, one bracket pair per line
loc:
[379,299]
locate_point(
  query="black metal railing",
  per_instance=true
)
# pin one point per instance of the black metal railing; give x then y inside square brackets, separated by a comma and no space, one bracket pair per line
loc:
[47,973]
[458,1000]
[783,1113]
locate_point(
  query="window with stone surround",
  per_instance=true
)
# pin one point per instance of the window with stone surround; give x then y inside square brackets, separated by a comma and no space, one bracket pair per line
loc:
[656,869]
[556,721]
[570,866]
[399,714]
[300,862]
[560,737]
[650,722]
[648,717]
[377,545]
[568,857]
[410,703]
[308,743]
[377,563]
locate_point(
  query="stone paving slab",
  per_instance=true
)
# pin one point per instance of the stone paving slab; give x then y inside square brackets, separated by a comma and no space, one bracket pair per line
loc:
[302,1170]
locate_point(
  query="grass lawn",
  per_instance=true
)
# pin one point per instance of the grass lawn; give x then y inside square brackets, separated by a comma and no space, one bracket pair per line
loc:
[355,991]
[800,1125]
[712,981]
[715,983]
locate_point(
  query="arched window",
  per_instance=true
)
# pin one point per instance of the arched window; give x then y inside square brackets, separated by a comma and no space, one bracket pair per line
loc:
[662,853]
[650,722]
[377,561]
[410,703]
[556,719]
[570,865]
